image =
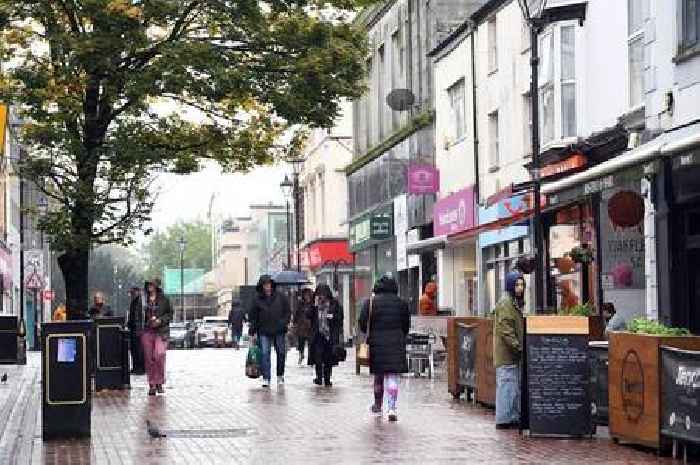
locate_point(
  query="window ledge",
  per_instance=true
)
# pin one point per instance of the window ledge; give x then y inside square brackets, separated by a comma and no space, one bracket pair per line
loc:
[493,169]
[493,72]
[686,53]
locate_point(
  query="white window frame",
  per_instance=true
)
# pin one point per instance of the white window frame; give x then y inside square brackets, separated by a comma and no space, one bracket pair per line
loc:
[494,141]
[636,38]
[554,84]
[492,28]
[457,109]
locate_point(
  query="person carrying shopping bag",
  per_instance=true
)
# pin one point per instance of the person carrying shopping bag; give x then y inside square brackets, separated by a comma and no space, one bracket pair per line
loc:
[386,320]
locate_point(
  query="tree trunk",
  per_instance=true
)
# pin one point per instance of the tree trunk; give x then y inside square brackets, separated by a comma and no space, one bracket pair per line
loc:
[74,267]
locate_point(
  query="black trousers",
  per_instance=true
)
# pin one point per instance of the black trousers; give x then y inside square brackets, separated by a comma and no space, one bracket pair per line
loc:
[323,356]
[137,362]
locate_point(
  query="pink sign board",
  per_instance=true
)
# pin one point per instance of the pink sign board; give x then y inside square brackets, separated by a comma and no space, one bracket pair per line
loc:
[423,179]
[454,213]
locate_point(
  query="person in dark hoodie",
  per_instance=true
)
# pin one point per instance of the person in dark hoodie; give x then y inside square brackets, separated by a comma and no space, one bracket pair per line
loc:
[236,318]
[326,324]
[507,350]
[387,318]
[269,317]
[136,327]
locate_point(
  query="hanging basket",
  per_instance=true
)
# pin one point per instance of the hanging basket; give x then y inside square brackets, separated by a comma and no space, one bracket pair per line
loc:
[581,254]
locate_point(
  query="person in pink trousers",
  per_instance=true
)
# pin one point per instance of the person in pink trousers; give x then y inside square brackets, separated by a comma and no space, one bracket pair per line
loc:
[157,313]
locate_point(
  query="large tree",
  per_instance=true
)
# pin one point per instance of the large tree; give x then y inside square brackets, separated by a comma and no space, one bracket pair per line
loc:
[162,249]
[92,79]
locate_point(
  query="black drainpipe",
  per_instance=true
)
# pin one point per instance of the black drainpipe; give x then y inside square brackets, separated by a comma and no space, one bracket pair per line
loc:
[477,194]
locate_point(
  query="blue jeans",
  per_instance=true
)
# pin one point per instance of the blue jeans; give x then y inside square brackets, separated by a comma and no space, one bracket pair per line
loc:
[266,343]
[508,394]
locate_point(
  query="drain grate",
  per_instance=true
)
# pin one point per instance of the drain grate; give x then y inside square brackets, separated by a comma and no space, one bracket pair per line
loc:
[209,433]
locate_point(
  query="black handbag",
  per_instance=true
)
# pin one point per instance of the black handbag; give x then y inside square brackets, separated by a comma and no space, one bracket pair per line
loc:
[340,353]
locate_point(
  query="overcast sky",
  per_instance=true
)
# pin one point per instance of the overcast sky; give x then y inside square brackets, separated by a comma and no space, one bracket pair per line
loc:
[186,197]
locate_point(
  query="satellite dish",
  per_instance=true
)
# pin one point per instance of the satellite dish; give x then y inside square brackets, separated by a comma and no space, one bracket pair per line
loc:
[400,99]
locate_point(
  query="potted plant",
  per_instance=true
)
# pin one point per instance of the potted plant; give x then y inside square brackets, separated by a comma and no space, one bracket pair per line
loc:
[634,378]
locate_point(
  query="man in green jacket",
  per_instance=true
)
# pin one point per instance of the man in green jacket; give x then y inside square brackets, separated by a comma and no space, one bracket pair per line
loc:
[507,351]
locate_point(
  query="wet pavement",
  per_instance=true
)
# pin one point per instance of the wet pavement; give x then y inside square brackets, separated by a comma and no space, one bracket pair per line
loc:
[212,414]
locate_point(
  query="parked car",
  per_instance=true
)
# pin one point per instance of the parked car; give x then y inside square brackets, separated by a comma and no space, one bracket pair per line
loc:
[213,329]
[182,335]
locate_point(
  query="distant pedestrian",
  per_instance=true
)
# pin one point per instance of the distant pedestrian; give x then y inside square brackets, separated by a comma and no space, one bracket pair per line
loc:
[301,322]
[158,314]
[236,318]
[60,313]
[269,317]
[388,321]
[427,304]
[136,327]
[507,350]
[614,321]
[326,319]
[99,307]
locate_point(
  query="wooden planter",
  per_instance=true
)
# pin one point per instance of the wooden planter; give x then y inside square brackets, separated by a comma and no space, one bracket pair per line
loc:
[634,375]
[485,371]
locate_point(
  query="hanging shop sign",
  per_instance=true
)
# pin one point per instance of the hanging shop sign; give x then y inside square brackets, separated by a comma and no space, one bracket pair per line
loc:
[375,226]
[454,213]
[326,252]
[423,179]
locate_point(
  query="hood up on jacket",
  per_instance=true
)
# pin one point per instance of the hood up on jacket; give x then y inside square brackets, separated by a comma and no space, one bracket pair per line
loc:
[386,285]
[511,280]
[266,278]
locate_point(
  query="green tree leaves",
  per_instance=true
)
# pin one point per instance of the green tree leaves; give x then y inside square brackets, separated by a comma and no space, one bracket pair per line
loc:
[163,250]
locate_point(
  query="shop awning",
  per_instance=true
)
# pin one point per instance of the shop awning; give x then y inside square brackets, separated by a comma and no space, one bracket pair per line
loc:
[667,144]
[426,245]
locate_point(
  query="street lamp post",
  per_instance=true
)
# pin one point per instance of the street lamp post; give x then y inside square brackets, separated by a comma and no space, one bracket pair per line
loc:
[297,165]
[287,186]
[182,243]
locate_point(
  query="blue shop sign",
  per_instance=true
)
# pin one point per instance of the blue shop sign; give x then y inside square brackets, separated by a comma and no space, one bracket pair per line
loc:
[502,210]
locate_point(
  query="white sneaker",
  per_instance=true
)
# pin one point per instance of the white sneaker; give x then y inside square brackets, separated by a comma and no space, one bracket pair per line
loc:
[266,383]
[280,381]
[393,416]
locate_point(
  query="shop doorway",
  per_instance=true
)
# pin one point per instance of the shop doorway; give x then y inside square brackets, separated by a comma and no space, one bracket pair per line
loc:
[692,249]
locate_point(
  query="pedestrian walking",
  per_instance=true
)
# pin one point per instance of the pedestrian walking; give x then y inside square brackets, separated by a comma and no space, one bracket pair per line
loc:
[386,320]
[326,319]
[158,314]
[136,327]
[301,322]
[269,317]
[60,313]
[99,307]
[236,318]
[508,349]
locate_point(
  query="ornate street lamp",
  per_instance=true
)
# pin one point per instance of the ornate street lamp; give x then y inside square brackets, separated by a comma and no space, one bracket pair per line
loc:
[287,188]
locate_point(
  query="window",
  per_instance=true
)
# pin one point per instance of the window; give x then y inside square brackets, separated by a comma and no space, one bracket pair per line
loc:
[368,105]
[493,45]
[636,16]
[557,83]
[690,24]
[568,82]
[546,87]
[527,125]
[493,141]
[455,94]
[380,91]
[396,72]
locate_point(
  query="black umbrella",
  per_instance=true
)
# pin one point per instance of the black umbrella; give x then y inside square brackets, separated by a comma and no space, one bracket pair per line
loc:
[290,278]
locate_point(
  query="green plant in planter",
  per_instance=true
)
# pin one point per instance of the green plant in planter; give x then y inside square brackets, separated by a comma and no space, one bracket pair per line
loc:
[655,328]
[581,254]
[577,310]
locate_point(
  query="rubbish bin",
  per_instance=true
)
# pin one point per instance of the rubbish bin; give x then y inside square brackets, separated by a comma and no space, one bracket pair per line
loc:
[66,396]
[109,353]
[9,326]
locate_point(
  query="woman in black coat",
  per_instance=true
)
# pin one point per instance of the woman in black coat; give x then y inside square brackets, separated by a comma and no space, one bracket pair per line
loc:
[388,321]
[326,319]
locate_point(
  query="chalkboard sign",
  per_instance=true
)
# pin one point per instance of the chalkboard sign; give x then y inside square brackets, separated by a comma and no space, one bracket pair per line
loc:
[558,384]
[466,350]
[680,394]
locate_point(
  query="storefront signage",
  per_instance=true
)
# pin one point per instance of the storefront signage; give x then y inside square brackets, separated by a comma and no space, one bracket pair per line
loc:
[375,226]
[321,253]
[502,210]
[413,235]
[423,179]
[454,213]
[574,162]
[597,185]
[400,228]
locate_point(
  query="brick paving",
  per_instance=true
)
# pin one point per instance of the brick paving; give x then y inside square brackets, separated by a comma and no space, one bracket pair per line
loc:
[214,415]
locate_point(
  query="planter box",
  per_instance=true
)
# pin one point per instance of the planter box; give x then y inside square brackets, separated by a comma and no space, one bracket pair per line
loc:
[485,371]
[634,390]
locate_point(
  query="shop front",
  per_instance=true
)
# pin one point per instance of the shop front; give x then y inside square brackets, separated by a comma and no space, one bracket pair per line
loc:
[454,217]
[372,245]
[504,239]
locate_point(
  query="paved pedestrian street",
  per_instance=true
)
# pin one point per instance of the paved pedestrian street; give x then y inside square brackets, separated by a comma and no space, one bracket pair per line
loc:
[212,414]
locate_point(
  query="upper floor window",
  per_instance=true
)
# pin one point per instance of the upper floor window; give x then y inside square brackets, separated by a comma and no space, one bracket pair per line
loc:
[557,83]
[494,154]
[636,16]
[455,94]
[689,12]
[493,45]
